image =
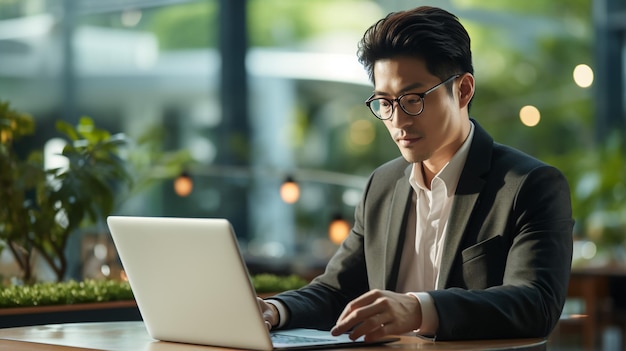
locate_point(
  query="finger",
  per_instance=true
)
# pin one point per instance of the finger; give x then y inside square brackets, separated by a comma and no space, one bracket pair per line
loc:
[377,333]
[360,321]
[266,312]
[350,307]
[358,311]
[347,323]
[364,300]
[372,327]
[343,322]
[387,327]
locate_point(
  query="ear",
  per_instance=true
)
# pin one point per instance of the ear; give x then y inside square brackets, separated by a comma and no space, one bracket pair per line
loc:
[466,89]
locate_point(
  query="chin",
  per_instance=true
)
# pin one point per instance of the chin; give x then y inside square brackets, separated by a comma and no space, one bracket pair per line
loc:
[413,157]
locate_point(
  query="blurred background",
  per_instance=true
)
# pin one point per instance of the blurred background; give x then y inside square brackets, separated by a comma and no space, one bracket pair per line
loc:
[256,106]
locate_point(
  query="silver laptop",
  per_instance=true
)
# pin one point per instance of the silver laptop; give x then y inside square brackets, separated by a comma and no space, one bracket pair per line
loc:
[192,286]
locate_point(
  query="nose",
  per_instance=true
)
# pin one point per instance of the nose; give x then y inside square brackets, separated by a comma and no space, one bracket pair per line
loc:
[399,118]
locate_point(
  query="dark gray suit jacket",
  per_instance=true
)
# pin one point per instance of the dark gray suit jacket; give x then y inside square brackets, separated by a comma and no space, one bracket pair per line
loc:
[507,254]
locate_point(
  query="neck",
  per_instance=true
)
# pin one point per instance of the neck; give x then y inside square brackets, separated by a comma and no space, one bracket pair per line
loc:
[428,173]
[437,161]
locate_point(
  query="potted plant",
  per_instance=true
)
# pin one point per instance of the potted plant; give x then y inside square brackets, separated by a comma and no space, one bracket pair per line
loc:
[41,208]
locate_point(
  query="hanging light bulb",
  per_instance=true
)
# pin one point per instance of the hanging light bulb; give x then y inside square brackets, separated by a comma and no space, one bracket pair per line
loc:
[290,191]
[338,229]
[183,185]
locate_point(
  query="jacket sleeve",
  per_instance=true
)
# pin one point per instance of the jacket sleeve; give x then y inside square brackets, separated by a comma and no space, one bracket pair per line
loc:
[319,304]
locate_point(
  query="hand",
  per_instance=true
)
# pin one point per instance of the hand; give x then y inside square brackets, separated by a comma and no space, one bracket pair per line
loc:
[270,313]
[378,313]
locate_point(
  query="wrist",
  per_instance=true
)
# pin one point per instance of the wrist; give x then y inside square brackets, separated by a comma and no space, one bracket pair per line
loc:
[417,311]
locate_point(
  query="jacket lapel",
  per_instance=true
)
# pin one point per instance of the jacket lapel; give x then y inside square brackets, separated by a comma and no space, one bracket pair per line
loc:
[470,185]
[396,229]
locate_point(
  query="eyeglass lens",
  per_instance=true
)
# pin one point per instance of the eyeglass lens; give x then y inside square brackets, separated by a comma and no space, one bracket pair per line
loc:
[410,103]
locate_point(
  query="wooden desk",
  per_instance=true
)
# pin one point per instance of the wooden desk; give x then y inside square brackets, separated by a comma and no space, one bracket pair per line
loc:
[118,336]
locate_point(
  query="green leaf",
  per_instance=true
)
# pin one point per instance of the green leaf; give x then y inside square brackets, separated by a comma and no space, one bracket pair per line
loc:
[267,283]
[66,129]
[70,292]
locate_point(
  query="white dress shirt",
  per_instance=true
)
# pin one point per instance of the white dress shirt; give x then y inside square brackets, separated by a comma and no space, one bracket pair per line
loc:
[426,232]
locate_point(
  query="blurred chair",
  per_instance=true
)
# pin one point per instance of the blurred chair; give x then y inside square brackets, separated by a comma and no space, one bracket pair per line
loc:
[600,306]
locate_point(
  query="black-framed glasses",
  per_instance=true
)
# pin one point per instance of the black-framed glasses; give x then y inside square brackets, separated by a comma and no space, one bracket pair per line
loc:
[411,103]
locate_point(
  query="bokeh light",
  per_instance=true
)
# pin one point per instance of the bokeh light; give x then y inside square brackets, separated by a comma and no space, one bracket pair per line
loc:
[362,132]
[183,185]
[583,76]
[290,191]
[529,115]
[338,230]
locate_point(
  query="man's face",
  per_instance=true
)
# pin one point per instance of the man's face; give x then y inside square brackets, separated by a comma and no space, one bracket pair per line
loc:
[435,134]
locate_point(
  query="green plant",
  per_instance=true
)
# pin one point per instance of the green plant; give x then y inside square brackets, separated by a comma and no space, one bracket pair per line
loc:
[601,193]
[148,162]
[597,177]
[62,293]
[42,207]
[72,292]
[267,283]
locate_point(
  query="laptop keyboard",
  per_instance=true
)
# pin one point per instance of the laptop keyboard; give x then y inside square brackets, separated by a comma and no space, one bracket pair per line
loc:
[293,339]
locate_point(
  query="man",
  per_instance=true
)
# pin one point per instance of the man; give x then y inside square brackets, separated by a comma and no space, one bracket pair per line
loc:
[461,238]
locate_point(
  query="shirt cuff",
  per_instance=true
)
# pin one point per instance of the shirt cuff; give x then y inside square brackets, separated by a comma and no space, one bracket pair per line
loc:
[282,312]
[430,318]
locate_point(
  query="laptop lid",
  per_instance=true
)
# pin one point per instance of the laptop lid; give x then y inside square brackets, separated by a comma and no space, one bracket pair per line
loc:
[189,281]
[192,286]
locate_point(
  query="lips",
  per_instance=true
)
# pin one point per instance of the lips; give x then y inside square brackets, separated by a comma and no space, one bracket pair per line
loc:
[407,141]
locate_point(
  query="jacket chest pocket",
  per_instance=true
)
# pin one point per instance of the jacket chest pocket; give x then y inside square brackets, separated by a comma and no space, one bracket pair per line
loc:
[484,263]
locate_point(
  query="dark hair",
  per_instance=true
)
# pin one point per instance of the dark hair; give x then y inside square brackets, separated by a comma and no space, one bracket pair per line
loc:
[429,33]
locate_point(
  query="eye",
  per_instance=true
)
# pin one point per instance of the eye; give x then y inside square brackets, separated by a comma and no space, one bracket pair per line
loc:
[384,103]
[411,99]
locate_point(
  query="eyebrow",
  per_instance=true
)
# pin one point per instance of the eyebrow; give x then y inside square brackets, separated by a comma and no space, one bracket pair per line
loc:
[402,91]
